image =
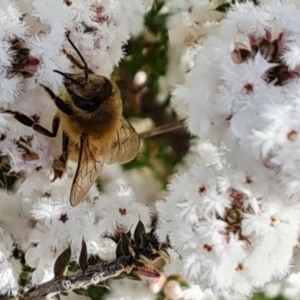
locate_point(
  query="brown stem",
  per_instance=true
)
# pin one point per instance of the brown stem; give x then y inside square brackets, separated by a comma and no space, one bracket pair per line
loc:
[93,275]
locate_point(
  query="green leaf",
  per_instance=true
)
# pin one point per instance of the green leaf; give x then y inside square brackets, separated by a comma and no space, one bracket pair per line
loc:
[125,244]
[223,7]
[97,293]
[133,276]
[3,180]
[128,234]
[119,252]
[81,292]
[62,262]
[56,297]
[83,258]
[262,296]
[139,233]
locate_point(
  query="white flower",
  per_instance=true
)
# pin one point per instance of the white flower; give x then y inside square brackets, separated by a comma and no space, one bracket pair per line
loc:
[244,90]
[233,232]
[9,268]
[45,224]
[120,210]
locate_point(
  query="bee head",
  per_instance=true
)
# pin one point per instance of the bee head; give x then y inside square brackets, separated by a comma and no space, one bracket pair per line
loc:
[87,94]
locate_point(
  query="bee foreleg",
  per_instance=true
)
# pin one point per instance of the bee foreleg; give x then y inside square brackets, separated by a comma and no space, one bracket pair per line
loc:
[27,121]
[59,164]
[60,104]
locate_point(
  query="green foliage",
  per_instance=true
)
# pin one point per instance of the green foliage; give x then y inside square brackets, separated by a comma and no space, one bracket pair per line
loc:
[93,292]
[149,53]
[26,272]
[262,296]
[149,50]
[137,254]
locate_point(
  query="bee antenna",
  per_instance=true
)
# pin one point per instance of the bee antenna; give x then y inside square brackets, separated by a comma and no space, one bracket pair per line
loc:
[86,68]
[68,77]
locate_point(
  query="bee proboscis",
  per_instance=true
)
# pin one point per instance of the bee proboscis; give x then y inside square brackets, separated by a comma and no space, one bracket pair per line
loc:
[93,127]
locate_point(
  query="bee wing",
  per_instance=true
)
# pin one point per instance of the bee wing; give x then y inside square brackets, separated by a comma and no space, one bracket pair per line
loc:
[87,172]
[125,145]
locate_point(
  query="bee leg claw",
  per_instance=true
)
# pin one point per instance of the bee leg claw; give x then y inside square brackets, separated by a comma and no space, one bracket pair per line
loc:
[57,174]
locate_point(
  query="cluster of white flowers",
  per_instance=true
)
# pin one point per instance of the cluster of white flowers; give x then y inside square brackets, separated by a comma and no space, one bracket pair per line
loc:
[39,218]
[235,228]
[244,90]
[46,224]
[232,232]
[232,212]
[189,24]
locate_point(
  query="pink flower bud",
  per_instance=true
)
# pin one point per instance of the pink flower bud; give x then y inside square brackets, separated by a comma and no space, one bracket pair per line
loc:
[173,290]
[156,284]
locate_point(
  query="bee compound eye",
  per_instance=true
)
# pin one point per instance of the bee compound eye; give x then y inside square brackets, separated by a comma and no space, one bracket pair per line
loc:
[85,104]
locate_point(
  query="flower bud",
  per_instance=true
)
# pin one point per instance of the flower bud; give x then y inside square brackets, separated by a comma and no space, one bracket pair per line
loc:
[156,284]
[173,290]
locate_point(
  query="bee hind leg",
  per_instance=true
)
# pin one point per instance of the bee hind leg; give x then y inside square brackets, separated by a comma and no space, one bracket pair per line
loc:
[60,163]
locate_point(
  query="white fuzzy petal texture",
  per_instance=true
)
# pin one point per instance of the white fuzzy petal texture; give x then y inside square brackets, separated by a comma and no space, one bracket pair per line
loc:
[44,223]
[10,268]
[189,23]
[250,101]
[126,289]
[232,231]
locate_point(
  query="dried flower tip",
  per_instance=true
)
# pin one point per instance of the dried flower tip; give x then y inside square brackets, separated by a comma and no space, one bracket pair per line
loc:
[208,248]
[249,88]
[201,189]
[240,267]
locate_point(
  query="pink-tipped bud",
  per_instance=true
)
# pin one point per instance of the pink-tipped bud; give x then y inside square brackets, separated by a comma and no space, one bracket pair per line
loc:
[173,290]
[156,284]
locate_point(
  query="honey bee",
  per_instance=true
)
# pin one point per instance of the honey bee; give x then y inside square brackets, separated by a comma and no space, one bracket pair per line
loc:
[94,131]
